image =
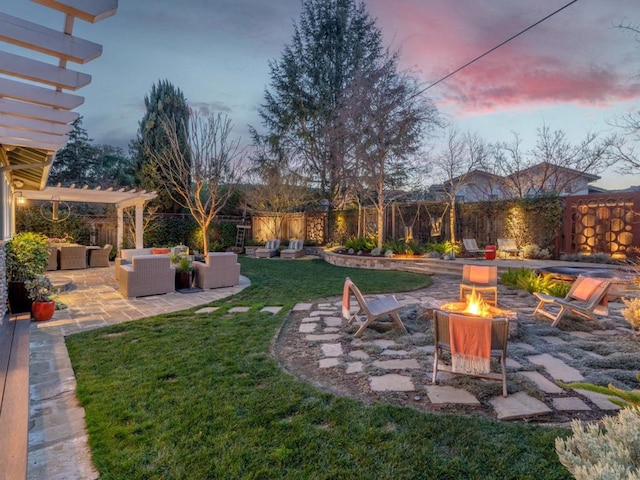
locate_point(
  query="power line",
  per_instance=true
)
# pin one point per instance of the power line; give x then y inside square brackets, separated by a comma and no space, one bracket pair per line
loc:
[496,47]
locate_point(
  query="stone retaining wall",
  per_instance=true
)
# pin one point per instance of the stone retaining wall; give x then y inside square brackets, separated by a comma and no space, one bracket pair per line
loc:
[3,280]
[374,263]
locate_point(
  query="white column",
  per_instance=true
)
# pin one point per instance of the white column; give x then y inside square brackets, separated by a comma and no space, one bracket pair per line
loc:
[119,228]
[139,225]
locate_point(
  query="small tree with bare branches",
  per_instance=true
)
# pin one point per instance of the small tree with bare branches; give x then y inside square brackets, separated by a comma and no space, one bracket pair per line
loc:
[206,185]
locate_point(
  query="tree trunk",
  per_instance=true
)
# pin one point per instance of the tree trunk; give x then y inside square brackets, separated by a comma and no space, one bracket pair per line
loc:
[452,220]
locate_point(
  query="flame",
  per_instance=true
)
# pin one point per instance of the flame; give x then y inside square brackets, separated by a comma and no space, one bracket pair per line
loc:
[476,305]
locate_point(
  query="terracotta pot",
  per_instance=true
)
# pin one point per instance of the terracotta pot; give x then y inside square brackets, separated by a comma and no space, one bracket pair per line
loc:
[41,311]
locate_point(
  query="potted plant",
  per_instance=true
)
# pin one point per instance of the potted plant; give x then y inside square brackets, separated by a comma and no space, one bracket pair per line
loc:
[184,270]
[26,258]
[41,292]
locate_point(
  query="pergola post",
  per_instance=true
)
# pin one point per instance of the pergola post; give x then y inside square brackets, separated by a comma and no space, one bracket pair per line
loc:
[120,227]
[139,225]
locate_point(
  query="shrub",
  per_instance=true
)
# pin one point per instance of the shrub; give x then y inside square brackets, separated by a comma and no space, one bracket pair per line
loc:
[610,452]
[361,244]
[532,282]
[535,252]
[594,258]
[632,313]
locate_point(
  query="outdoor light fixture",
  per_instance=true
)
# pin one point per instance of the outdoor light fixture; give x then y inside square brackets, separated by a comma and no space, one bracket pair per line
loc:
[20,199]
[51,210]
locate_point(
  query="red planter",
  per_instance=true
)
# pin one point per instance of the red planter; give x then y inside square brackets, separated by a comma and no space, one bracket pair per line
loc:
[41,311]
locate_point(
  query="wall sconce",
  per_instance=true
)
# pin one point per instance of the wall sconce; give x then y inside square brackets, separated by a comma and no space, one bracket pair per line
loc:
[21,200]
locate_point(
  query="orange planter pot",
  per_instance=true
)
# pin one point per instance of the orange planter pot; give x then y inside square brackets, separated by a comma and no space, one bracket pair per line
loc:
[41,311]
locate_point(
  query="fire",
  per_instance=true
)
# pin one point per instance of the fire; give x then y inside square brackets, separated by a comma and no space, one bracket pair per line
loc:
[476,305]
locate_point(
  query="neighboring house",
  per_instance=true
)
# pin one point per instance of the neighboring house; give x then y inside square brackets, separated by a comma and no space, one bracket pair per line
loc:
[548,178]
[544,177]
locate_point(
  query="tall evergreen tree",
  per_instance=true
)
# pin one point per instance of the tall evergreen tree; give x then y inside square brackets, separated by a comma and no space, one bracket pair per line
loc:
[333,41]
[165,103]
[72,162]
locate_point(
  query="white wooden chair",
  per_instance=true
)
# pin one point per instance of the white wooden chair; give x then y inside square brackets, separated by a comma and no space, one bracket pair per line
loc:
[508,246]
[587,298]
[471,246]
[372,309]
[480,278]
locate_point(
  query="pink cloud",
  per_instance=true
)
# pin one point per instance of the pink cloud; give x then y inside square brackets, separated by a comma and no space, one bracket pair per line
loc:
[575,57]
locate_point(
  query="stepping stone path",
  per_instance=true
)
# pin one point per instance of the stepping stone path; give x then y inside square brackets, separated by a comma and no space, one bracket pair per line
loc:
[389,361]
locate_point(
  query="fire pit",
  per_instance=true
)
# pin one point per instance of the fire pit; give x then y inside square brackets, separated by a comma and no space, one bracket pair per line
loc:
[475,306]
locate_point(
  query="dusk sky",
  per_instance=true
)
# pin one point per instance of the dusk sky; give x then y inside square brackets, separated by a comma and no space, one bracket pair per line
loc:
[575,72]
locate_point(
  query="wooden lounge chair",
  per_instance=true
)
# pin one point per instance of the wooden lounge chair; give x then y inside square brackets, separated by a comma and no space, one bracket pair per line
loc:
[294,250]
[508,246]
[372,309]
[587,298]
[480,278]
[471,246]
[442,337]
[269,250]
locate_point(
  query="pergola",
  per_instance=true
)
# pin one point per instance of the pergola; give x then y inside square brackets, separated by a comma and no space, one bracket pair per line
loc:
[123,198]
[36,106]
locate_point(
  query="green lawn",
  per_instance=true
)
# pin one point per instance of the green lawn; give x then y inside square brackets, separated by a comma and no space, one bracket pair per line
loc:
[189,396]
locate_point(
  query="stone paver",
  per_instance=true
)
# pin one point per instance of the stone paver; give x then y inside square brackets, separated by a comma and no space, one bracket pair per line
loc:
[323,337]
[239,309]
[307,327]
[361,354]
[583,335]
[553,340]
[329,362]
[333,321]
[514,364]
[391,382]
[273,310]
[398,353]
[569,404]
[542,382]
[397,364]
[354,367]
[331,349]
[299,307]
[599,399]
[439,395]
[309,319]
[556,368]
[384,343]
[207,309]
[518,405]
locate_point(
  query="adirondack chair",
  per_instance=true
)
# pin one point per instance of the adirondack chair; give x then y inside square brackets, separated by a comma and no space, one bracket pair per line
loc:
[587,298]
[372,309]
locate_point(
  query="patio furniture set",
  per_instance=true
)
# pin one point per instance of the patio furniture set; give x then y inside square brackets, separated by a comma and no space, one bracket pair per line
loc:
[71,256]
[470,341]
[506,247]
[142,272]
[272,249]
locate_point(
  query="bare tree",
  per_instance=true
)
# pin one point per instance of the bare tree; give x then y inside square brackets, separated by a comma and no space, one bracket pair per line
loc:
[555,164]
[206,185]
[463,154]
[387,118]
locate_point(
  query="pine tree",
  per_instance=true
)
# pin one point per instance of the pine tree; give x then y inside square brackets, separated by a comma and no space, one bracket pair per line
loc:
[164,103]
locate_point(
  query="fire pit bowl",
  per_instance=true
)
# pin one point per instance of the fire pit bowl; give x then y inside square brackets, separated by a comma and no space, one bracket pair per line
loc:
[494,312]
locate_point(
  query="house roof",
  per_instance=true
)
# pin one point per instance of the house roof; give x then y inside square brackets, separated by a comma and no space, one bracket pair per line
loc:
[35,111]
[556,168]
